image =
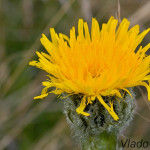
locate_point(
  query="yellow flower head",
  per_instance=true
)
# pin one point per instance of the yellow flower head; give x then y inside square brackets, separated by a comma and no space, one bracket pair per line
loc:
[96,64]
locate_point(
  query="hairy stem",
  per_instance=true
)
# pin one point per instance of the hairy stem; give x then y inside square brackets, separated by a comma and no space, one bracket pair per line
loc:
[103,141]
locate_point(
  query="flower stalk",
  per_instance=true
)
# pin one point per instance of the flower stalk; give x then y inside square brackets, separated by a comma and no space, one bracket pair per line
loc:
[103,141]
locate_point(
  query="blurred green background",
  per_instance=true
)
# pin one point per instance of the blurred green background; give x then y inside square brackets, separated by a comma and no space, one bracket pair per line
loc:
[27,124]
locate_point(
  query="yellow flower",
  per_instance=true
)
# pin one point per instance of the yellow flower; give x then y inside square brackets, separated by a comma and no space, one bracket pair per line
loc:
[95,65]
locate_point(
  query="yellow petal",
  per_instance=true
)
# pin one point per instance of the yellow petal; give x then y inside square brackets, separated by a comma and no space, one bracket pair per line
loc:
[80,29]
[54,36]
[147,87]
[80,109]
[127,91]
[116,92]
[41,96]
[87,34]
[49,46]
[110,109]
[35,63]
[95,30]
[142,35]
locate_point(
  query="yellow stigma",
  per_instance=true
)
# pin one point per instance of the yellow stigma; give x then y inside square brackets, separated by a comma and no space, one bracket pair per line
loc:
[96,64]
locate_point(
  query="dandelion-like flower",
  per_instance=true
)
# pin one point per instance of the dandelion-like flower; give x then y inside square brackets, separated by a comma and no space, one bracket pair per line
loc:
[97,64]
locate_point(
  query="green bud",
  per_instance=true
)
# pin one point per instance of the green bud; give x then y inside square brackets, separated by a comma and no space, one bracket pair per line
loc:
[99,130]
